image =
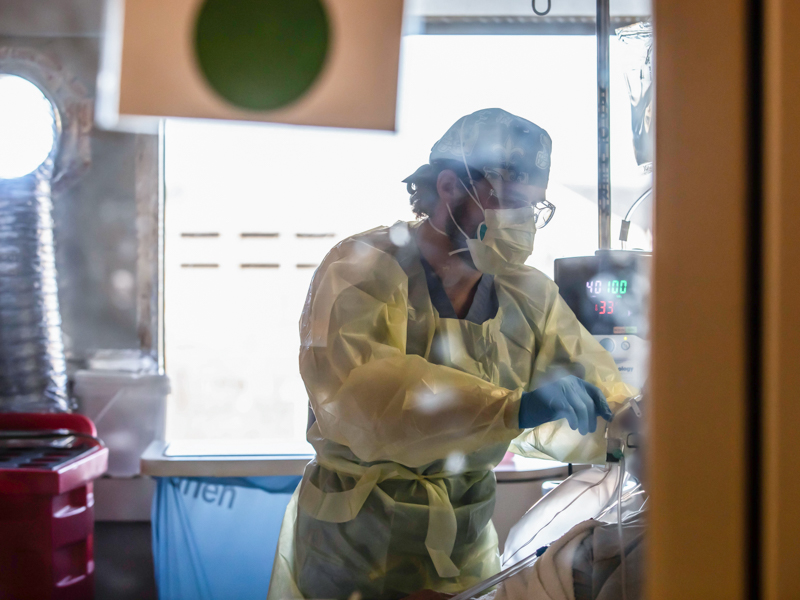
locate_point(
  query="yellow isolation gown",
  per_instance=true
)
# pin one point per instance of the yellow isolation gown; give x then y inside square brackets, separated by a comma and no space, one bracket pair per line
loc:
[413,413]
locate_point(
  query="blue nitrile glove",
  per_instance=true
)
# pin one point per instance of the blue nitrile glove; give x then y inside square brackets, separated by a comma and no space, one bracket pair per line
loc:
[570,398]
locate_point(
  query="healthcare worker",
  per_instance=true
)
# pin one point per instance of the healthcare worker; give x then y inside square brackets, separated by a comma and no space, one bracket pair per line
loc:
[427,349]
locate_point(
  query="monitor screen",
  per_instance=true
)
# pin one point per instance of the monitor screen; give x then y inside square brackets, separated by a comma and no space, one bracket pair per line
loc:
[609,292]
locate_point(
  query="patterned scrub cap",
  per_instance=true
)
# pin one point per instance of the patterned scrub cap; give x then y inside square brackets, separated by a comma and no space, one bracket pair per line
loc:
[500,145]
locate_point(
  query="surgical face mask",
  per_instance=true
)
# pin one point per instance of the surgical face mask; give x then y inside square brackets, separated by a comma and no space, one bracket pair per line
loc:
[503,240]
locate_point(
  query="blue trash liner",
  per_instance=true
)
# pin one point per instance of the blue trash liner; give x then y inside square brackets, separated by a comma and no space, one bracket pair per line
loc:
[215,538]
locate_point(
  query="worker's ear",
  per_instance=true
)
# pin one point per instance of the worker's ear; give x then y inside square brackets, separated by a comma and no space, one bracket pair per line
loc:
[449,188]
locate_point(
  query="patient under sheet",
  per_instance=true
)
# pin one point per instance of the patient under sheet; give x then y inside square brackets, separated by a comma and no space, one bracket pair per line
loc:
[584,564]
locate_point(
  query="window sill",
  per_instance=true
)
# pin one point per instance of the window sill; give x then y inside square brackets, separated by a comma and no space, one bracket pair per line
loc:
[218,458]
[253,458]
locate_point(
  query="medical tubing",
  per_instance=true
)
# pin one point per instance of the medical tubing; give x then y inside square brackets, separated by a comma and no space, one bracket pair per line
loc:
[623,566]
[553,518]
[523,564]
[637,491]
[526,562]
[636,204]
[626,222]
[495,579]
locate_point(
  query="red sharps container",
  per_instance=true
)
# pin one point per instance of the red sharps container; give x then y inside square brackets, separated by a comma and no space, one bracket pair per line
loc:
[47,465]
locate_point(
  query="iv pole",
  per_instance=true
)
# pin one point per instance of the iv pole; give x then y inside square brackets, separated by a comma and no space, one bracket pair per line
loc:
[603,127]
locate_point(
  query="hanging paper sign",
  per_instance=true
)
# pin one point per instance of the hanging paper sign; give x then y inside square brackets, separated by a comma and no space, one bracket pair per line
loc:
[308,62]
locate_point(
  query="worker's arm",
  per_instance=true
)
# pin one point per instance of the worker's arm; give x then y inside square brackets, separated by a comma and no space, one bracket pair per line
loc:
[371,396]
[567,348]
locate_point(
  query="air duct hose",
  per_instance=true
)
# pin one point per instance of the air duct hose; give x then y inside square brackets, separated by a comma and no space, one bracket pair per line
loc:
[33,374]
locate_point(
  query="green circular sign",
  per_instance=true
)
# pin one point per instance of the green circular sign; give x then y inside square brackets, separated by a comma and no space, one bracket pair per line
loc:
[261,54]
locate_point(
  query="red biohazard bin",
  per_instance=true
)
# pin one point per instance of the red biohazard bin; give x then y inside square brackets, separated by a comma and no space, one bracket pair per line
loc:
[47,465]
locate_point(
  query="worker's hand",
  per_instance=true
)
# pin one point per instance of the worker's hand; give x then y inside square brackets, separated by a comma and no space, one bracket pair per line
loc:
[570,398]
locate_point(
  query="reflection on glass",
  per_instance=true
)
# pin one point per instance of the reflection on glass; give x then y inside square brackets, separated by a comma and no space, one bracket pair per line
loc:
[277,198]
[428,346]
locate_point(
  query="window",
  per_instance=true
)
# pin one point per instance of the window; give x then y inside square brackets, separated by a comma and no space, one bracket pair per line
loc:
[27,127]
[252,209]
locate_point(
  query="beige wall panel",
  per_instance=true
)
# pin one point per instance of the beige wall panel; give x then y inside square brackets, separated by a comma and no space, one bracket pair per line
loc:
[781,535]
[159,75]
[699,364]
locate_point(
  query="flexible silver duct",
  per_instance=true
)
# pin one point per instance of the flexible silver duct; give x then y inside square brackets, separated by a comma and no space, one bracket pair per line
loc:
[33,374]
